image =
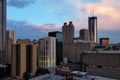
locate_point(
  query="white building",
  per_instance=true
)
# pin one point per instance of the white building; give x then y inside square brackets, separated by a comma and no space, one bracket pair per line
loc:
[47,52]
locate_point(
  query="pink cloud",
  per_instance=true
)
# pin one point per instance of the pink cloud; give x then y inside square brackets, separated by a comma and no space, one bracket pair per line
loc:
[107,12]
[46,27]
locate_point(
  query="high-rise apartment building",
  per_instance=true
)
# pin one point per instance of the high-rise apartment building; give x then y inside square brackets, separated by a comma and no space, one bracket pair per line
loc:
[68,32]
[10,40]
[47,52]
[92,26]
[24,58]
[59,45]
[2,29]
[84,34]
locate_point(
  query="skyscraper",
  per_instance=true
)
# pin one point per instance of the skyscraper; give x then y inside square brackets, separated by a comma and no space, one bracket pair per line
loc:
[59,45]
[2,29]
[68,37]
[92,25]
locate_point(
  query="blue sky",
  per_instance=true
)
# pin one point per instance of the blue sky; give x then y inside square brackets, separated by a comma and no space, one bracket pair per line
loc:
[33,19]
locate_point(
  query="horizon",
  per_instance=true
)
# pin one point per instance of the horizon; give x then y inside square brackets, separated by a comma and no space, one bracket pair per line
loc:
[35,18]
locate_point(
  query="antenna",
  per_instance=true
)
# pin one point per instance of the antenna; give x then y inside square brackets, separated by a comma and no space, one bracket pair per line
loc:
[93,12]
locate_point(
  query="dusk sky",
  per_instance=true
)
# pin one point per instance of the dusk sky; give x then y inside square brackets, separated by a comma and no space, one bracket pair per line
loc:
[33,19]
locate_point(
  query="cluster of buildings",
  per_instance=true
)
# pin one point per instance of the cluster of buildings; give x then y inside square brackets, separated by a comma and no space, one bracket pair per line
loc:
[82,53]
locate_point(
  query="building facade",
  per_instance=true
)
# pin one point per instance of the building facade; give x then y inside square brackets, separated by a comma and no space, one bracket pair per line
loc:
[47,52]
[104,41]
[92,26]
[103,63]
[31,58]
[59,45]
[10,40]
[24,58]
[2,29]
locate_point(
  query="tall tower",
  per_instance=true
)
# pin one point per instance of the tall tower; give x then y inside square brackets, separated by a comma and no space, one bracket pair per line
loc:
[68,32]
[92,26]
[2,29]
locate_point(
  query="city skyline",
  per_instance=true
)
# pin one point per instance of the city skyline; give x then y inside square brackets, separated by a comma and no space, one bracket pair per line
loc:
[35,18]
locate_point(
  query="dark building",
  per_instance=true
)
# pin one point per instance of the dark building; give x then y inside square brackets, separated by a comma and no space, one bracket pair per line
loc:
[104,41]
[31,58]
[84,34]
[59,45]
[2,29]
[92,26]
[103,63]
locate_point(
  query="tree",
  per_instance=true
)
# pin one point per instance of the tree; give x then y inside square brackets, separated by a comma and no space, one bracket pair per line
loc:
[26,75]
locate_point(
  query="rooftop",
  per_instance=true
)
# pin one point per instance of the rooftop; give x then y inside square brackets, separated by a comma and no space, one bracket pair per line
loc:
[48,77]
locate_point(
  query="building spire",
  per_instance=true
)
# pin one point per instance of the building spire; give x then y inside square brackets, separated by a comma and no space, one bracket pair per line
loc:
[93,12]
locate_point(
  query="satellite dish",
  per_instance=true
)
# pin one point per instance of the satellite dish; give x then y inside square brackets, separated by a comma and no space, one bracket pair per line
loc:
[65,60]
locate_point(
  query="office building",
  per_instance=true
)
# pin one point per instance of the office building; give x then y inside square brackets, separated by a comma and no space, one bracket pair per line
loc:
[47,52]
[104,41]
[10,40]
[24,58]
[2,29]
[68,36]
[84,34]
[59,45]
[92,26]
[74,50]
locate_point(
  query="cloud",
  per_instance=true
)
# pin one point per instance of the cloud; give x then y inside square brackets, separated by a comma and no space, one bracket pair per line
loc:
[20,3]
[108,14]
[26,30]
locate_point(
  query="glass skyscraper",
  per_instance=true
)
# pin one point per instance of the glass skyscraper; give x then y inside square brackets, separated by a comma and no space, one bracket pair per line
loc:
[92,25]
[2,29]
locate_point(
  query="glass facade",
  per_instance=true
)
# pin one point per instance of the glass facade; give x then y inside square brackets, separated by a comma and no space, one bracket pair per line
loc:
[93,28]
[59,37]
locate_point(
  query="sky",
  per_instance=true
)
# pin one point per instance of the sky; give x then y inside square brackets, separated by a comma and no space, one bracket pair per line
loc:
[33,19]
